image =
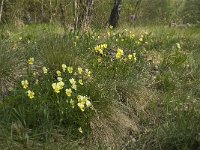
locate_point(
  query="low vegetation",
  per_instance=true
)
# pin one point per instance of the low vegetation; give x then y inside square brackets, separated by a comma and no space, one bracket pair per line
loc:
[134,88]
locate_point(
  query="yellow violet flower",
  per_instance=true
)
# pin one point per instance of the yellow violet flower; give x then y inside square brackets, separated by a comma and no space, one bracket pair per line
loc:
[178,45]
[72,103]
[72,81]
[80,130]
[58,73]
[31,94]
[134,57]
[59,78]
[141,39]
[35,73]
[120,53]
[74,86]
[81,106]
[61,84]
[58,86]
[130,56]
[80,70]
[87,72]
[99,60]
[68,92]
[64,67]
[45,70]
[36,81]
[88,103]
[80,81]
[70,69]
[31,61]
[24,84]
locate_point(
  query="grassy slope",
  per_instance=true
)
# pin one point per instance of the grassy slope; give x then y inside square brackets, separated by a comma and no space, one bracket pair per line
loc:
[155,106]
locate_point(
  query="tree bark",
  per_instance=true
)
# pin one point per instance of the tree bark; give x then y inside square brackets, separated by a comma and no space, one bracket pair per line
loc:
[83,10]
[1,9]
[114,16]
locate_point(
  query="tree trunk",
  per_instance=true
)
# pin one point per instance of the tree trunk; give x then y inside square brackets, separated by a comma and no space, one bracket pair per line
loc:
[114,16]
[83,10]
[1,9]
[51,14]
[135,15]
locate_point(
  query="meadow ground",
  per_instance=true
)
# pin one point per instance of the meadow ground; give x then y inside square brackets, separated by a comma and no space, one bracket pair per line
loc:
[133,88]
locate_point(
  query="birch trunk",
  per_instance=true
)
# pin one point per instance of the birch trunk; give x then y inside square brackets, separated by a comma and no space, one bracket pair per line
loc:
[1,9]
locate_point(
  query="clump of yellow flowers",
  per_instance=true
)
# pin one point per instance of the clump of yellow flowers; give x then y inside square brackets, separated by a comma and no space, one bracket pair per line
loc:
[24,84]
[119,53]
[100,48]
[66,80]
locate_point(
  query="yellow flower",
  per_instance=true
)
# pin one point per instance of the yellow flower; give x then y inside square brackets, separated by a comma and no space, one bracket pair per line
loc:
[178,45]
[64,67]
[132,36]
[36,81]
[134,57]
[45,70]
[68,92]
[88,103]
[80,130]
[35,73]
[24,84]
[87,72]
[99,60]
[80,81]
[31,94]
[120,53]
[58,73]
[74,86]
[72,103]
[80,70]
[70,69]
[59,78]
[72,81]
[101,51]
[31,61]
[61,84]
[130,56]
[81,106]
[104,45]
[141,39]
[58,86]
[100,48]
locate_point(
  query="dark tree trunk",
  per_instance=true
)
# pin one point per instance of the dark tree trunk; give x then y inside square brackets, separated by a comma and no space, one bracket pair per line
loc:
[114,16]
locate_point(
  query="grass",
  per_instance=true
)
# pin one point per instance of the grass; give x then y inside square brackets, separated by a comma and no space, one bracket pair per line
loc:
[150,103]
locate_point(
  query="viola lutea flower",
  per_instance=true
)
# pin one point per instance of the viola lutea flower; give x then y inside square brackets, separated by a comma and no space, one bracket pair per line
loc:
[70,69]
[31,61]
[45,70]
[58,73]
[120,53]
[68,92]
[80,81]
[31,94]
[80,70]
[64,67]
[24,84]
